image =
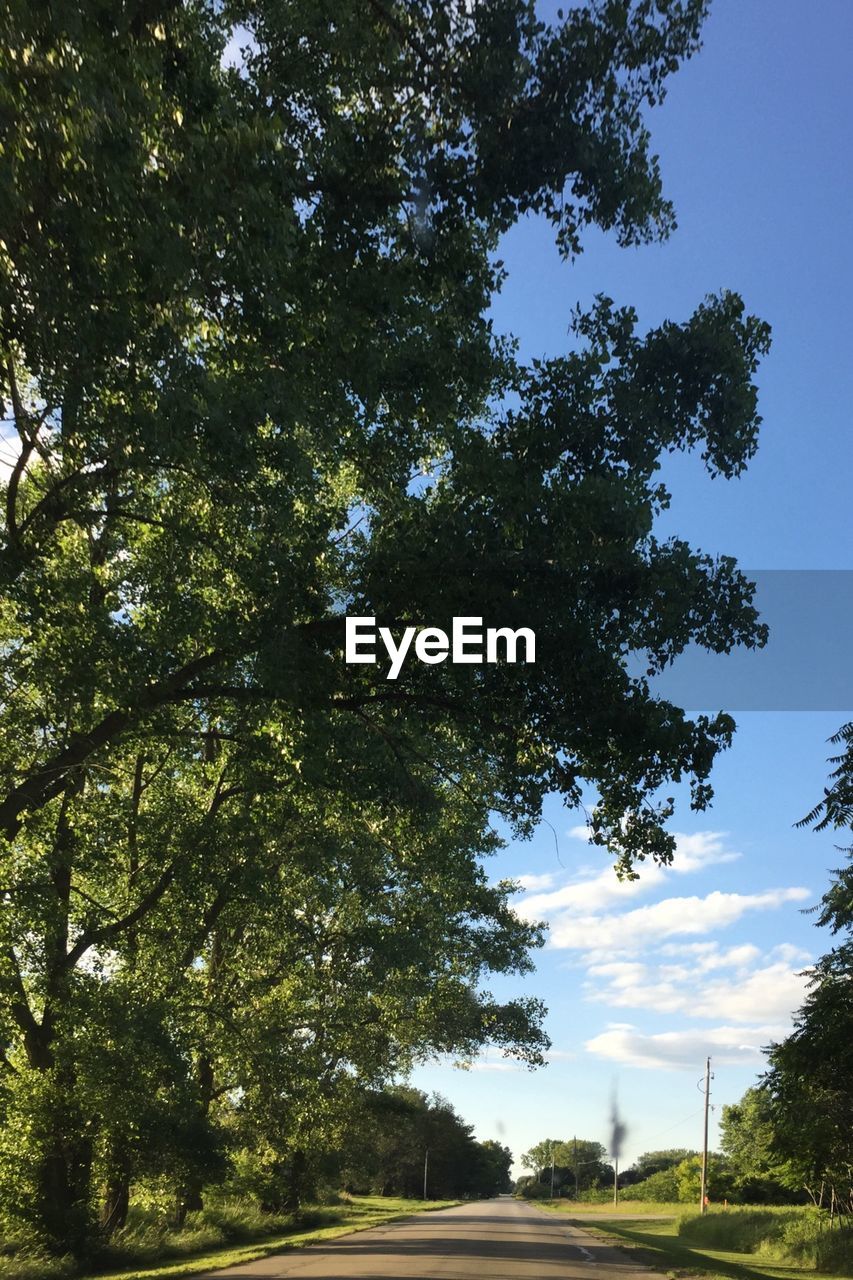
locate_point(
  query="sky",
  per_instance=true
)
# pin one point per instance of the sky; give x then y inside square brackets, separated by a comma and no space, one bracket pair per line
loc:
[644,980]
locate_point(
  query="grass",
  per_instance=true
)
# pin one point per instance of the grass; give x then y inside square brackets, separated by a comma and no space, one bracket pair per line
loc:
[633,1208]
[656,1243]
[358,1213]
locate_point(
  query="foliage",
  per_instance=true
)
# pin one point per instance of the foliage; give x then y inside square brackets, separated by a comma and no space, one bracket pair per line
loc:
[802,1235]
[651,1162]
[748,1141]
[227,1231]
[530,1188]
[251,385]
[727,1245]
[660,1186]
[808,1087]
[720,1182]
[807,1095]
[652,1175]
[407,1140]
[579,1164]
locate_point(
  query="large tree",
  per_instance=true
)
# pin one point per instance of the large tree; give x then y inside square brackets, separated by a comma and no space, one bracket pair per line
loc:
[251,385]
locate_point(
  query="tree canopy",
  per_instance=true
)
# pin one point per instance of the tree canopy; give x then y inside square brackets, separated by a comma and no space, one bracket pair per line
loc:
[249,386]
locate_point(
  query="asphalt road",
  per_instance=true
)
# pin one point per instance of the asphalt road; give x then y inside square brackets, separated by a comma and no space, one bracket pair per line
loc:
[500,1239]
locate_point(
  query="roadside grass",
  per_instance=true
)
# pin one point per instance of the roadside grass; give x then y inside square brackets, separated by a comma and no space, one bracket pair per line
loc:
[358,1214]
[176,1258]
[656,1243]
[632,1208]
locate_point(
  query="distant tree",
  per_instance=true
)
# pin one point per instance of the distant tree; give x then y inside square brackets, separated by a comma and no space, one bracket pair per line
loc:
[540,1157]
[579,1163]
[493,1164]
[397,1136]
[651,1162]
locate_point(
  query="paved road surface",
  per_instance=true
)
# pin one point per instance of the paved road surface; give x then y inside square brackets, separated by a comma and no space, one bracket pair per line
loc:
[500,1239]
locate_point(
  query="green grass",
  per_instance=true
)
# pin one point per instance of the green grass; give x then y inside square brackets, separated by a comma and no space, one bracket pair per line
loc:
[633,1208]
[359,1214]
[356,1214]
[657,1244]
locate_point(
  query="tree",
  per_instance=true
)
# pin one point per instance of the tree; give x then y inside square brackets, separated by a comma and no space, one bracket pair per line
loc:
[252,385]
[748,1139]
[688,1175]
[494,1164]
[579,1163]
[806,1097]
[411,1140]
[652,1162]
[662,1186]
[809,1097]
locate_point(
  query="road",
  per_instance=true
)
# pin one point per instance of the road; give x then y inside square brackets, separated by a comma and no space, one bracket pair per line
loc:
[501,1239]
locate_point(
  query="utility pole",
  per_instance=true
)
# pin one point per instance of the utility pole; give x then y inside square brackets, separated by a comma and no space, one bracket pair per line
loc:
[704,1191]
[552,1171]
[577,1180]
[426,1171]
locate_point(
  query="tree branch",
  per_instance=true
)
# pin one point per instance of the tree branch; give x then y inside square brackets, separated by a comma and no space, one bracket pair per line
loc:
[46,781]
[110,931]
[19,1005]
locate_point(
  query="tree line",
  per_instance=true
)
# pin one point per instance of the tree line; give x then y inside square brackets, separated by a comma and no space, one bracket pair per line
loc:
[579,1167]
[249,386]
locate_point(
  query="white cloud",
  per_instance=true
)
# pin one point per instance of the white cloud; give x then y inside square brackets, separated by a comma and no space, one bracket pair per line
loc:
[669,918]
[529,883]
[663,957]
[707,955]
[771,990]
[593,890]
[684,1050]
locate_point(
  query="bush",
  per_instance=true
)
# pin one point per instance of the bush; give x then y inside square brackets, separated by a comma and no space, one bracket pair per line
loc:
[802,1235]
[833,1250]
[662,1185]
[528,1189]
[741,1230]
[35,1265]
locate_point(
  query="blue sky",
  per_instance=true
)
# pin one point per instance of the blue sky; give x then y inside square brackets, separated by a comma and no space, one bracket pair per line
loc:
[643,981]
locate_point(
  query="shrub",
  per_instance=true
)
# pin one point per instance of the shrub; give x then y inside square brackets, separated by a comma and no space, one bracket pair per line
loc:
[658,1186]
[741,1230]
[803,1235]
[532,1190]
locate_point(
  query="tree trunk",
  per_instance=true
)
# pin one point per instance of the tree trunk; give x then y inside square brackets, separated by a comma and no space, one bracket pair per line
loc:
[63,1176]
[297,1179]
[63,1184]
[116,1196]
[188,1200]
